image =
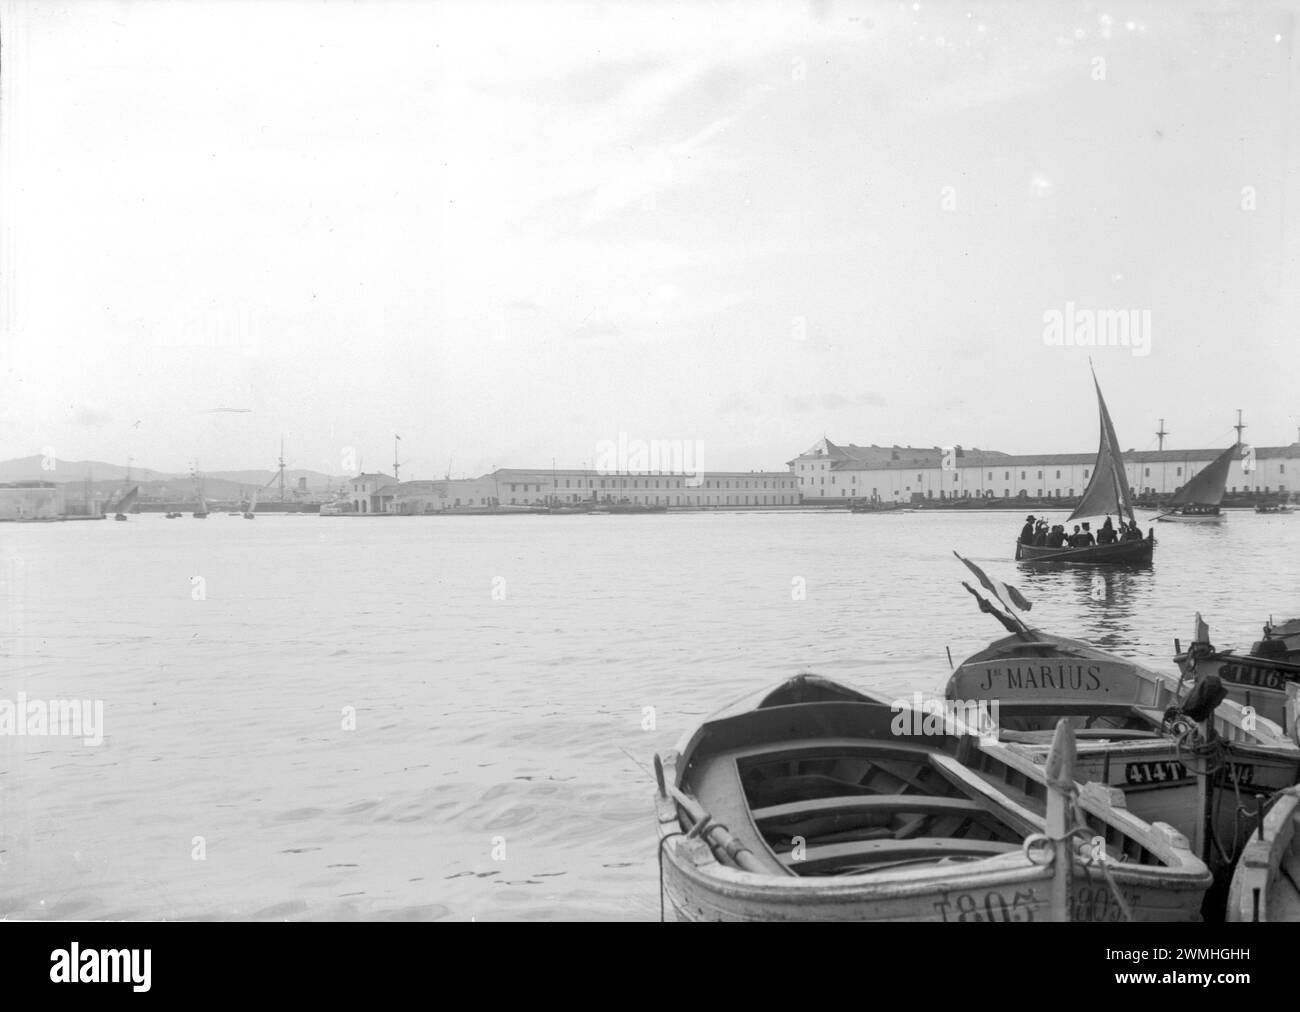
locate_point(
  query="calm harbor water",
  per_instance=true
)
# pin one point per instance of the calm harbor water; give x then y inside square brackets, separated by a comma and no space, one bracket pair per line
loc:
[507,676]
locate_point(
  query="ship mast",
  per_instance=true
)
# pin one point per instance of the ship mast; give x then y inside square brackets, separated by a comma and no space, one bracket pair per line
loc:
[1240,427]
[1161,433]
[282,467]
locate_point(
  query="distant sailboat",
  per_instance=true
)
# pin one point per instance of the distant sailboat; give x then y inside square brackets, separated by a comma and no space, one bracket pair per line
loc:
[201,509]
[252,506]
[1198,500]
[1107,492]
[125,503]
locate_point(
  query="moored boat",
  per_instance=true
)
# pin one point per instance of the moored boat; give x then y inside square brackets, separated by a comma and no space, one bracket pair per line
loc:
[1266,884]
[811,801]
[1180,754]
[1138,733]
[870,506]
[1258,679]
[635,507]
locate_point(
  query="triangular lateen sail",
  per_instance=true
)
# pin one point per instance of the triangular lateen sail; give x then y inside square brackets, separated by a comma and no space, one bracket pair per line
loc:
[1207,485]
[127,501]
[1108,490]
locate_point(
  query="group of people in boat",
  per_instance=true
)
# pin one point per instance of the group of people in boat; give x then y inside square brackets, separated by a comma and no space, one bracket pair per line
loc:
[1038,532]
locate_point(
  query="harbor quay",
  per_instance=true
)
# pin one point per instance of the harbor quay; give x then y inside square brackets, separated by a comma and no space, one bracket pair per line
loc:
[825,476]
[522,487]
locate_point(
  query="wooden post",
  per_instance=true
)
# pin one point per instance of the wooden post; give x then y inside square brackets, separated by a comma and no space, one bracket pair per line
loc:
[1060,783]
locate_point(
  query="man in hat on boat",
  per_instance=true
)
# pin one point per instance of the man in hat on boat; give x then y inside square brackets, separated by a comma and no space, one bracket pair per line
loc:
[1106,536]
[1086,539]
[1027,532]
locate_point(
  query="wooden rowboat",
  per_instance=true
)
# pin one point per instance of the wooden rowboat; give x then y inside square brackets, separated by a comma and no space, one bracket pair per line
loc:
[1257,679]
[1133,734]
[812,801]
[1121,553]
[1266,885]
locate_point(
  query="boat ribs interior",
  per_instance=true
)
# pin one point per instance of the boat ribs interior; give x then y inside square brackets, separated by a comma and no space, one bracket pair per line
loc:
[846,796]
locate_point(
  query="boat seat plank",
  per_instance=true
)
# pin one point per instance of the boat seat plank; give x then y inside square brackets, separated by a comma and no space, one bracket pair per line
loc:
[922,848]
[717,787]
[800,748]
[855,804]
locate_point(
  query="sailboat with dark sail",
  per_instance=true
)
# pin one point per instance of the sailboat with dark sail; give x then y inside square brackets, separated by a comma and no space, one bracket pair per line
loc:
[1107,492]
[1197,502]
[125,503]
[201,504]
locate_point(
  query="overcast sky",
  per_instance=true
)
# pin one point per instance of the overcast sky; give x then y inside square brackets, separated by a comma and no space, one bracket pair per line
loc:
[509,231]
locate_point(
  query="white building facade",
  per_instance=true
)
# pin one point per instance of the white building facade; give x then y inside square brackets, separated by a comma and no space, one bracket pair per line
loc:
[828,473]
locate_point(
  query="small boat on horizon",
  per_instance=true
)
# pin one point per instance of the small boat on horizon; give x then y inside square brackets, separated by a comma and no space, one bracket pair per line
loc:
[868,506]
[1198,501]
[125,503]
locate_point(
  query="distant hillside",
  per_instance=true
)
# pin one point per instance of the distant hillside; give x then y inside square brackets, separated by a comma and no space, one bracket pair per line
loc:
[112,475]
[29,469]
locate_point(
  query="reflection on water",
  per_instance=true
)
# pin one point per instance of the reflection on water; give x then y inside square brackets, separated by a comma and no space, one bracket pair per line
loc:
[508,680]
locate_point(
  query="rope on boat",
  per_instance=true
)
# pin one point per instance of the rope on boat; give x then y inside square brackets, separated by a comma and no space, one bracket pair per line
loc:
[662,842]
[1082,853]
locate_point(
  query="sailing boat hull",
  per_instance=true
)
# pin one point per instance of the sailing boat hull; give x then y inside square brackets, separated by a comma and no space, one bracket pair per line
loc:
[1122,553]
[1192,518]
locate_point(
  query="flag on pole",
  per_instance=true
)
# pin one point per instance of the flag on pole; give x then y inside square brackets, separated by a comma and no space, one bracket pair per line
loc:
[1010,623]
[1004,592]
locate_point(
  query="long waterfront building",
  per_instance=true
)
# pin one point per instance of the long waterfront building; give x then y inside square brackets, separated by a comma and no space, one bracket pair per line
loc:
[827,472]
[510,486]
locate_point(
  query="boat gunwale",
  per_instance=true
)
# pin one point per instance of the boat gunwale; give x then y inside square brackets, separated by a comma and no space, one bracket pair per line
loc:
[1261,859]
[1229,716]
[1175,865]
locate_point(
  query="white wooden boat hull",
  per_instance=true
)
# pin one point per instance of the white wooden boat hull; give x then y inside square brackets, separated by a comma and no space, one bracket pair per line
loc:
[1037,682]
[1257,682]
[1158,879]
[1266,884]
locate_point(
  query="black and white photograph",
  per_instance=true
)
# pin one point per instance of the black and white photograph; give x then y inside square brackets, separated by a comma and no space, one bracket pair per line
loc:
[650,461]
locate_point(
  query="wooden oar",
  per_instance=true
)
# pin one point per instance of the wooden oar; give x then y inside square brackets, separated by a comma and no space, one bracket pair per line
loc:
[715,835]
[1060,782]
